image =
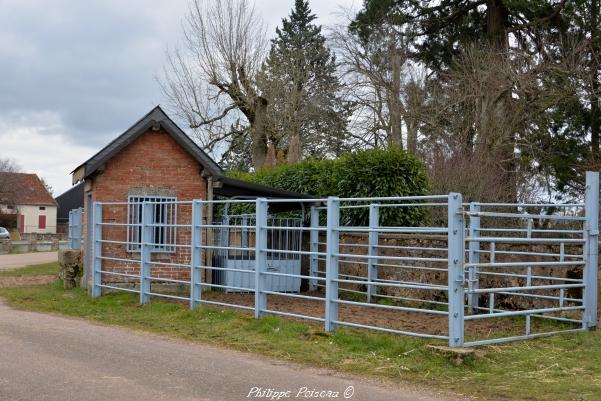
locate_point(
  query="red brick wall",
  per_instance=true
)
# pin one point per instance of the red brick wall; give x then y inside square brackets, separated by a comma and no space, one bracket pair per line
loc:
[154,163]
[152,160]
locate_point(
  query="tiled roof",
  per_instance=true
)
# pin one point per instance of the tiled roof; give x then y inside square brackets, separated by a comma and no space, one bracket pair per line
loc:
[25,189]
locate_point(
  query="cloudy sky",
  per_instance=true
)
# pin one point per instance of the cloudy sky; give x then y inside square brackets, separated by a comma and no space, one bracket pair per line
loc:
[75,74]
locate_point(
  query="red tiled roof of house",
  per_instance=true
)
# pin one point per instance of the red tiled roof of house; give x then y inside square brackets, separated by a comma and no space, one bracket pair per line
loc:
[25,189]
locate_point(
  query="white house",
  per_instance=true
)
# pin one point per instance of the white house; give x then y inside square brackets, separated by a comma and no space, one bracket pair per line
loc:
[25,196]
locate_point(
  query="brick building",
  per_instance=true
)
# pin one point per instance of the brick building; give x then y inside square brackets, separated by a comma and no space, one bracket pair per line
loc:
[152,161]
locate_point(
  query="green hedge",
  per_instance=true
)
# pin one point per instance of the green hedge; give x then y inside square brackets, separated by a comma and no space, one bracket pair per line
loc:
[367,173]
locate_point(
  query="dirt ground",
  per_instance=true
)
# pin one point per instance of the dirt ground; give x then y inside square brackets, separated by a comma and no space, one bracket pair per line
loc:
[416,322]
[393,319]
[18,281]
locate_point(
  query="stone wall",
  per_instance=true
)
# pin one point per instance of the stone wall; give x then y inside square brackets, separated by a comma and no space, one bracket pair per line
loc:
[23,246]
[32,237]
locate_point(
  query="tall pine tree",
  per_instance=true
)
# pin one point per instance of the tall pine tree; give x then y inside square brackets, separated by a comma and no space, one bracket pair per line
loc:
[299,80]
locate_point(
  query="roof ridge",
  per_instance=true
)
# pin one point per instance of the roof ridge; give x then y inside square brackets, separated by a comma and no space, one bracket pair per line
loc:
[156,114]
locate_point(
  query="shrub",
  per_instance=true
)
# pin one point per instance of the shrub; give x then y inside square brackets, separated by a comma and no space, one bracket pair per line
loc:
[366,173]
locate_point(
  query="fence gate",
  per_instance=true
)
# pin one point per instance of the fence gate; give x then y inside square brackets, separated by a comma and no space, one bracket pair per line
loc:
[542,257]
[75,228]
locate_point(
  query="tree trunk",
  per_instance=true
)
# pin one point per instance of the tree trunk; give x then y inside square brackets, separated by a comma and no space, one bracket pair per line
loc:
[496,134]
[271,159]
[394,99]
[294,149]
[411,135]
[595,117]
[259,133]
[496,24]
[595,85]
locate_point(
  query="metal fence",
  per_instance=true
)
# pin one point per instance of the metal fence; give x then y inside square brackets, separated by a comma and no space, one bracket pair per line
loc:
[239,264]
[471,274]
[75,228]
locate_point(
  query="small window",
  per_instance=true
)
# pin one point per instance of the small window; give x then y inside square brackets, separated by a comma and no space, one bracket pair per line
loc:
[163,218]
[42,207]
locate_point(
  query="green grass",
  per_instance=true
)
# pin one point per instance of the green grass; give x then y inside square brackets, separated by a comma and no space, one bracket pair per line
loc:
[43,269]
[566,367]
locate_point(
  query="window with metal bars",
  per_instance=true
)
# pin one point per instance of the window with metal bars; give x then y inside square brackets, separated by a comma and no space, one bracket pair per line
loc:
[164,217]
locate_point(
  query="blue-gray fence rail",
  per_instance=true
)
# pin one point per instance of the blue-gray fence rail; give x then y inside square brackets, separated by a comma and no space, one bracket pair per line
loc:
[75,228]
[470,248]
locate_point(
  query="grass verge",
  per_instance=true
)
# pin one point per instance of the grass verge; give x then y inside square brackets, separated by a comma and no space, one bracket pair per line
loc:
[556,368]
[43,269]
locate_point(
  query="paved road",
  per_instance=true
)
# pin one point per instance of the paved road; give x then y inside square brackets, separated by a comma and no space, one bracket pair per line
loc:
[14,260]
[45,357]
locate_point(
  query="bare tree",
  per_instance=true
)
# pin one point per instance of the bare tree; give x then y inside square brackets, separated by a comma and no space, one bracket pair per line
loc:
[9,165]
[6,186]
[489,113]
[384,86]
[210,81]
[47,186]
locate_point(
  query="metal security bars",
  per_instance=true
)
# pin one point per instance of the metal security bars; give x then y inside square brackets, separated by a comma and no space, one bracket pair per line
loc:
[162,215]
[471,274]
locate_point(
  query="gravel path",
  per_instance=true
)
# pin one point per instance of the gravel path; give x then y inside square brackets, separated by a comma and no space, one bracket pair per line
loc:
[47,357]
[14,260]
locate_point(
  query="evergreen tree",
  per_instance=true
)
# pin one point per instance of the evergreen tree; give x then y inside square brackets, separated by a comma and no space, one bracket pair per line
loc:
[583,17]
[299,80]
[441,31]
[520,41]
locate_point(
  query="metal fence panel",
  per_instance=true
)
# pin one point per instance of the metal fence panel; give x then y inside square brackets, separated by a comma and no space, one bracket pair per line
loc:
[526,263]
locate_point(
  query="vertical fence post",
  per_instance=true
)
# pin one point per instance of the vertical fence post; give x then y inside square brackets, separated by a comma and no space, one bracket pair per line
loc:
[332,242]
[314,248]
[473,258]
[260,256]
[145,249]
[591,205]
[529,268]
[86,274]
[196,254]
[78,231]
[456,254]
[97,260]
[244,232]
[372,249]
[70,232]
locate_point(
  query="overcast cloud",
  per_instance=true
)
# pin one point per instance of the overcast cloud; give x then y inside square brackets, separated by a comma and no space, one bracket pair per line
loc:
[75,74]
